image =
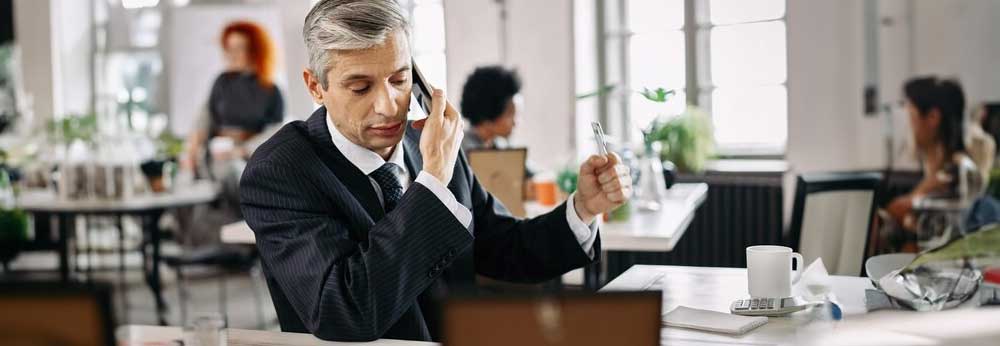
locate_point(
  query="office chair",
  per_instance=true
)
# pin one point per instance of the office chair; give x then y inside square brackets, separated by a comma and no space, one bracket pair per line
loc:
[831,219]
[226,259]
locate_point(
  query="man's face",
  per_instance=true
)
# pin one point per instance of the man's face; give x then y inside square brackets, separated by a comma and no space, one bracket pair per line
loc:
[368,94]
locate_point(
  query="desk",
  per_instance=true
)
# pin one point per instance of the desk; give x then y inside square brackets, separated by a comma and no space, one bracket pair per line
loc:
[148,208]
[137,335]
[656,230]
[715,288]
[649,231]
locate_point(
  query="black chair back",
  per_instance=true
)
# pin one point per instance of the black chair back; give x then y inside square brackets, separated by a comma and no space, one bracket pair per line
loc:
[814,183]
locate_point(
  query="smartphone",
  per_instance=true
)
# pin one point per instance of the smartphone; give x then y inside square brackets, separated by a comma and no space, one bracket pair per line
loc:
[421,90]
[602,143]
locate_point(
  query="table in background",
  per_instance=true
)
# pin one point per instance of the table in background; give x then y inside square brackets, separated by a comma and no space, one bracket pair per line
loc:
[656,230]
[137,335]
[148,208]
[650,231]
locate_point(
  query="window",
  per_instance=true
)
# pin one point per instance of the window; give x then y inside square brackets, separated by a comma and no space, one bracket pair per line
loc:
[655,56]
[727,57]
[749,103]
[427,25]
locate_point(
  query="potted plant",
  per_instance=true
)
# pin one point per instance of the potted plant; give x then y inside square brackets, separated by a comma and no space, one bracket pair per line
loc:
[687,139]
[13,234]
[169,147]
[13,222]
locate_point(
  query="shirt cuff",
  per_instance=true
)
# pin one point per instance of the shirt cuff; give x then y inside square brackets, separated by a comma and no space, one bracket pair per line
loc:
[585,234]
[462,214]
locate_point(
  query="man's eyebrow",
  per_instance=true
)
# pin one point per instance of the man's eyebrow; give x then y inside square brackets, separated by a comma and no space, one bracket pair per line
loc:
[353,77]
[358,76]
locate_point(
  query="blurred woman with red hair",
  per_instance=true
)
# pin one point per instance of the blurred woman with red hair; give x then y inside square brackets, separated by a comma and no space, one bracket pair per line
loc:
[243,102]
[243,107]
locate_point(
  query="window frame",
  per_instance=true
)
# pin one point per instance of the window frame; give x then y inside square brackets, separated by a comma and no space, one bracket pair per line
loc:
[613,60]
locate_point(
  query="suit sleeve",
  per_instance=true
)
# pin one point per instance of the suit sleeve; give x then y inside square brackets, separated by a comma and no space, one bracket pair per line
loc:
[341,286]
[525,251]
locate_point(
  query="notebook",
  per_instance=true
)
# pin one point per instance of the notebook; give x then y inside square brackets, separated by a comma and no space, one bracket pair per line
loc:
[712,321]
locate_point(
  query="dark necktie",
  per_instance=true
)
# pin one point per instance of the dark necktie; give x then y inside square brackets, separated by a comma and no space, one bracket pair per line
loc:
[387,181]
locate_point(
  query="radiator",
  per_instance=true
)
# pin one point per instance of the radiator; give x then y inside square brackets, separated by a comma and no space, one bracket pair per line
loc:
[741,209]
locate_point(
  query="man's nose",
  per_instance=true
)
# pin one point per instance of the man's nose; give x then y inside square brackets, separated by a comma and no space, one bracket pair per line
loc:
[385,100]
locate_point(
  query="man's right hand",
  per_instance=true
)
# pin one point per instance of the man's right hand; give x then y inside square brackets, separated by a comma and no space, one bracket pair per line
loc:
[441,138]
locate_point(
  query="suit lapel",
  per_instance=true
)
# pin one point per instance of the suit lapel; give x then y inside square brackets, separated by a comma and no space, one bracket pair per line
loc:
[356,181]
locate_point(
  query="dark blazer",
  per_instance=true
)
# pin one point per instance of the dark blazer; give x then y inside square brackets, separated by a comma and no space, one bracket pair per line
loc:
[341,268]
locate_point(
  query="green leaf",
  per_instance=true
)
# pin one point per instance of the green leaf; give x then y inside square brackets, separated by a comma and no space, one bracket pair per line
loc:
[984,243]
[600,91]
[659,95]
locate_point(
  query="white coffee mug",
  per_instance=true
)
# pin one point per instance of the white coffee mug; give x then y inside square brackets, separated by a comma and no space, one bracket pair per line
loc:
[769,271]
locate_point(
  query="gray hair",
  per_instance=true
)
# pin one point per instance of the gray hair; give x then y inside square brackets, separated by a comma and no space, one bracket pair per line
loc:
[348,25]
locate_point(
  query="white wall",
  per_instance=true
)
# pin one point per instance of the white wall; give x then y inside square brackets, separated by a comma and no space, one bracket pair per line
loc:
[960,39]
[34,35]
[471,39]
[54,38]
[540,47]
[74,39]
[825,78]
[298,104]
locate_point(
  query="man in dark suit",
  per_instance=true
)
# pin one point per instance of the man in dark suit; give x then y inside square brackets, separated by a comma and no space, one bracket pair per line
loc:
[363,224]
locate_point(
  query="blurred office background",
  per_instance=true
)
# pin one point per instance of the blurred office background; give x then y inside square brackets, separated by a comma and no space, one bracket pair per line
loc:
[788,87]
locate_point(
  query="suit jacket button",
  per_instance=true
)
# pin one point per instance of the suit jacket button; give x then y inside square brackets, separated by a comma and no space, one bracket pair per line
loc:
[431,273]
[451,253]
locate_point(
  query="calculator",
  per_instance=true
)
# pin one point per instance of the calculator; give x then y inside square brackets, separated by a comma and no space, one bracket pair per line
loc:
[766,306]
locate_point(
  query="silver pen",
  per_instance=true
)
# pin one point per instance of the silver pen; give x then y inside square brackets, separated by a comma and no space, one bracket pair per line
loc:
[602,143]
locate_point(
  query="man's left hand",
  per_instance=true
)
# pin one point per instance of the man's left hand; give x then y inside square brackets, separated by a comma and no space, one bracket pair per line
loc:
[603,185]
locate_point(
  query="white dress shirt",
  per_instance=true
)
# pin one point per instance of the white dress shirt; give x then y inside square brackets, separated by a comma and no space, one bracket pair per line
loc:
[368,161]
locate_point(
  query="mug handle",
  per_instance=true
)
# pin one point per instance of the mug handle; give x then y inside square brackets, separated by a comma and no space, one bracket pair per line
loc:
[799,263]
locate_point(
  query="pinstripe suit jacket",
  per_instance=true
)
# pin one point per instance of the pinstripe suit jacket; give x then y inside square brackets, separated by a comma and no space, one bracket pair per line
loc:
[339,267]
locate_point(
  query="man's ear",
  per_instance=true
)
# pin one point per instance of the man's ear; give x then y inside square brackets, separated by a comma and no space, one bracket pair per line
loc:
[312,84]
